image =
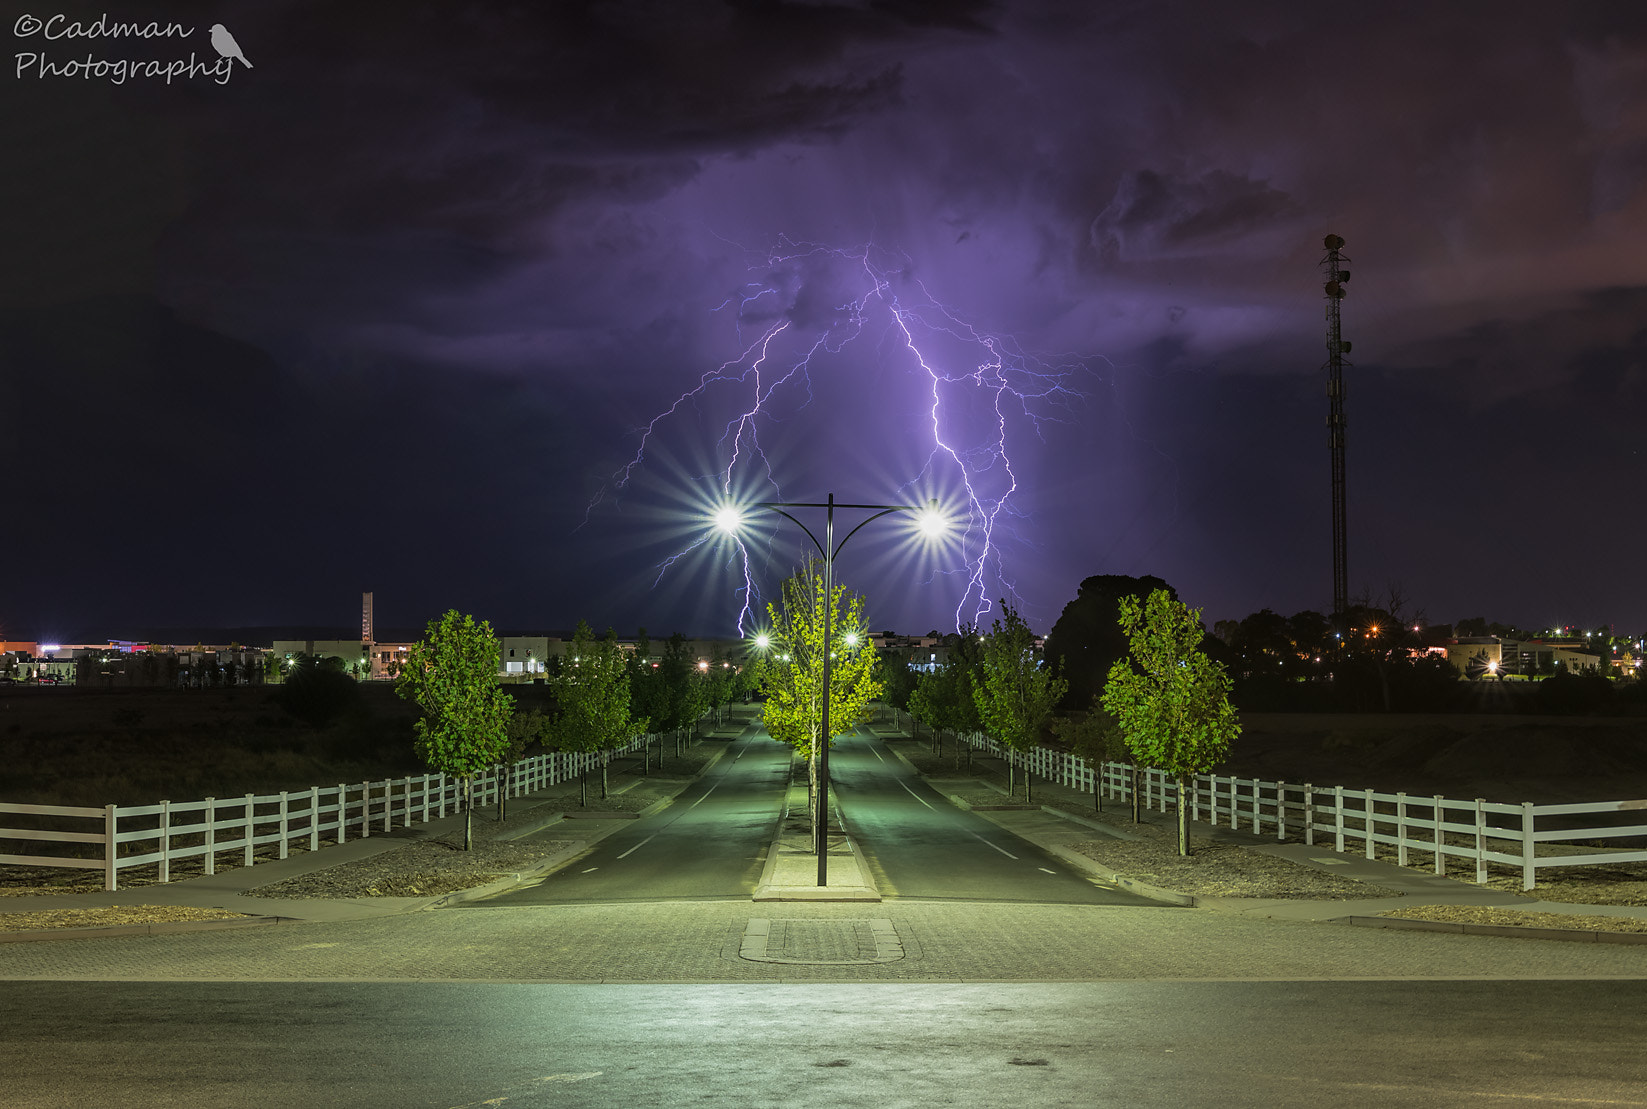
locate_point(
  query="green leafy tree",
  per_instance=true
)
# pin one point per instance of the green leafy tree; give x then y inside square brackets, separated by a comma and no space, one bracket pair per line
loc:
[452,675]
[648,697]
[1171,700]
[1095,737]
[525,729]
[942,699]
[792,671]
[1016,695]
[687,692]
[898,678]
[722,681]
[593,691]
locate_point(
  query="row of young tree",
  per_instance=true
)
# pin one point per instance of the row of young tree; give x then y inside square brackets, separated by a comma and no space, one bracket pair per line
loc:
[1164,701]
[604,696]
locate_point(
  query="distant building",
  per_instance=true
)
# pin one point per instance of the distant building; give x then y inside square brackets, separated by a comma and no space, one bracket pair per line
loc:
[1492,656]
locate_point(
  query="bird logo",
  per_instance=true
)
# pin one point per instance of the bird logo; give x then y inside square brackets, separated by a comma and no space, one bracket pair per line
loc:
[224,44]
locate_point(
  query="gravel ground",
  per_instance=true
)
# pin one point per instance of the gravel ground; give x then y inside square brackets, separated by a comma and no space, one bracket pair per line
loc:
[1212,870]
[111,916]
[1471,914]
[427,868]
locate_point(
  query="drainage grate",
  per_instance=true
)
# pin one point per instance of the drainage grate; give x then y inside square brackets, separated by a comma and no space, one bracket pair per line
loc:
[821,942]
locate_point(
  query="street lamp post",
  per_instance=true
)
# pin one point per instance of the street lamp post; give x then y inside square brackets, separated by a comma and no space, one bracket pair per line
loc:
[930,522]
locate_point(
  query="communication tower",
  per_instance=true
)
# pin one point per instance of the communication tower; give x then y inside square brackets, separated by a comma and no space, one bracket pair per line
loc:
[1332,269]
[366,619]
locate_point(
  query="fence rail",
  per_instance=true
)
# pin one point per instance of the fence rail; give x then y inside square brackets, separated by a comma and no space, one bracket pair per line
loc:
[165,833]
[1477,832]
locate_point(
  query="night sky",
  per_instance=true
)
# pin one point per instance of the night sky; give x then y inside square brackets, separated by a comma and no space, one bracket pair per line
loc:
[392,308]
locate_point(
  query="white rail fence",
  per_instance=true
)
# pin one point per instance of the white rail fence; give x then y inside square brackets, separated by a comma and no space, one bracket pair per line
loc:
[160,835]
[1479,832]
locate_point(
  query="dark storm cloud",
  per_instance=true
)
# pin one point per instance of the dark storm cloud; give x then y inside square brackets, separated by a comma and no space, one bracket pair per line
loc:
[1155,216]
[501,238]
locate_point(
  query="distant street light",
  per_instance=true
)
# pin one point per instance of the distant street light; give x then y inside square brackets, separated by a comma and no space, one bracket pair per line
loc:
[930,521]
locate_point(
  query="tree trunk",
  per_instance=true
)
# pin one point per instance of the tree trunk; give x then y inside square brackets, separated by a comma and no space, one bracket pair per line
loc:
[1135,798]
[468,814]
[605,757]
[503,789]
[1183,818]
[583,787]
[812,802]
[1012,775]
[1029,786]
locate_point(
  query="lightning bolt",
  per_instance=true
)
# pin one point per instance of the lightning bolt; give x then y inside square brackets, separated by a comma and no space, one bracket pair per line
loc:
[979,386]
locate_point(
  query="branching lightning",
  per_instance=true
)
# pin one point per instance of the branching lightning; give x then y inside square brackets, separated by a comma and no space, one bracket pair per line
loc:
[981,390]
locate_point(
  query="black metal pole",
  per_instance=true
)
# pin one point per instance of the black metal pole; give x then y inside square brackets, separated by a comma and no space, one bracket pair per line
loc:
[821,818]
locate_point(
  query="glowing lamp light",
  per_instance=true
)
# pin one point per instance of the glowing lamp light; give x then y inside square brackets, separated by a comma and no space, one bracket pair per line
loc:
[729,519]
[932,523]
[851,639]
[763,641]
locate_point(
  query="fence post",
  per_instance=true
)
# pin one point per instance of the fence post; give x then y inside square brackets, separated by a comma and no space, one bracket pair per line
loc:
[366,809]
[1440,836]
[425,800]
[249,829]
[1281,811]
[111,847]
[1480,840]
[314,818]
[1255,828]
[1368,823]
[342,813]
[211,835]
[285,822]
[1338,817]
[1401,829]
[1529,856]
[388,805]
[165,841]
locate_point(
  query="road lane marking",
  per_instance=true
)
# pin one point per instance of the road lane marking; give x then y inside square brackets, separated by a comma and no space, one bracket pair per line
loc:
[591,870]
[648,840]
[876,753]
[982,840]
[918,797]
[706,793]
[1042,869]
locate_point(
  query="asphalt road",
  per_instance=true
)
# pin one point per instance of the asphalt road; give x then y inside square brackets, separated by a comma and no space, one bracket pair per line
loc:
[1043,1044]
[708,844]
[921,845]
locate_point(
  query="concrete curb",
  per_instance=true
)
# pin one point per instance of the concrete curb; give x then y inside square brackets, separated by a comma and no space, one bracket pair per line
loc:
[771,888]
[34,934]
[1512,931]
[508,881]
[1121,881]
[1097,826]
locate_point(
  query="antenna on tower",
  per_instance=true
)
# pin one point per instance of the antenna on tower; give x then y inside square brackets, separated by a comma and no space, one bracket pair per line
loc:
[1332,269]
